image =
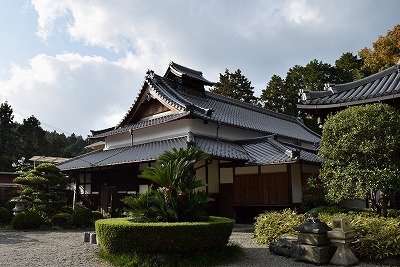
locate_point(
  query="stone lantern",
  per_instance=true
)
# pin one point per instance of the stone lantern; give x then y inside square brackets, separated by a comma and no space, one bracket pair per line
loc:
[342,236]
[20,205]
[313,244]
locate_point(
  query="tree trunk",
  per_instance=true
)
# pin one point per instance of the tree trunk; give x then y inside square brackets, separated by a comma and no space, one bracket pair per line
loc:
[384,203]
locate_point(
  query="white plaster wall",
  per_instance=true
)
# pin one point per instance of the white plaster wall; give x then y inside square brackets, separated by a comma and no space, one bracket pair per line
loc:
[274,168]
[148,133]
[224,132]
[246,170]
[201,172]
[213,177]
[173,128]
[295,170]
[226,175]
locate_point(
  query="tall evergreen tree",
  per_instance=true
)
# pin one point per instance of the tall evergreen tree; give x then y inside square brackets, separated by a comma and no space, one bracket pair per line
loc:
[348,68]
[8,138]
[32,138]
[235,85]
[277,98]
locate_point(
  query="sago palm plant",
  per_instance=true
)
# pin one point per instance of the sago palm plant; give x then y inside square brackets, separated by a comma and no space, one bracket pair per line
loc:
[178,197]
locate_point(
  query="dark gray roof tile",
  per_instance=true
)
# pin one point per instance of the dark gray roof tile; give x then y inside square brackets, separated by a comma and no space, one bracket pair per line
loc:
[257,151]
[385,83]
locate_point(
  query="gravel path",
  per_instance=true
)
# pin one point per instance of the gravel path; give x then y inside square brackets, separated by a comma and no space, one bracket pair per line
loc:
[47,249]
[66,248]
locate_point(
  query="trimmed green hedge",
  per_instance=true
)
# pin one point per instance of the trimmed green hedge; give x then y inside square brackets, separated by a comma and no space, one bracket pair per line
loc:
[27,220]
[122,235]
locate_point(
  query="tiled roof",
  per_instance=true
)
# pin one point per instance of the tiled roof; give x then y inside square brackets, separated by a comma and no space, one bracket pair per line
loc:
[129,154]
[215,108]
[218,108]
[228,111]
[181,71]
[255,151]
[140,124]
[267,150]
[378,87]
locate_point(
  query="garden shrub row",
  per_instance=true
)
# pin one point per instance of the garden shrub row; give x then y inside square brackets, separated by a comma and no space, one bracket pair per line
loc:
[81,217]
[124,236]
[27,220]
[376,237]
[5,215]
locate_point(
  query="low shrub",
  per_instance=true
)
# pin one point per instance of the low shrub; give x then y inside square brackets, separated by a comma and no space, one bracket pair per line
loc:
[392,213]
[63,220]
[96,215]
[5,215]
[67,209]
[27,220]
[82,216]
[271,225]
[122,235]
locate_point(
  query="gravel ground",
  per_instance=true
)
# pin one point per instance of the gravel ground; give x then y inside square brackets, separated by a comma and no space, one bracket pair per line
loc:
[66,248]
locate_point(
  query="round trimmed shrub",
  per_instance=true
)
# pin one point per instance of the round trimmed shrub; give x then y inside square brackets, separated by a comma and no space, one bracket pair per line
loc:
[96,215]
[27,220]
[82,216]
[122,235]
[5,215]
[63,220]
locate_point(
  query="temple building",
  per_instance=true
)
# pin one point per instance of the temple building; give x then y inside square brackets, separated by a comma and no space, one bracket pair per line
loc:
[258,160]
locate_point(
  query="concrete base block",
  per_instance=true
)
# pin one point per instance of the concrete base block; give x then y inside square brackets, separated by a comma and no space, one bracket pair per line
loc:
[314,254]
[93,238]
[284,246]
[313,239]
[343,256]
[86,236]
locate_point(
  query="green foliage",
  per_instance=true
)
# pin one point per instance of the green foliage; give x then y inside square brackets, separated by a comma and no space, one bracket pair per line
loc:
[8,144]
[312,193]
[63,220]
[348,68]
[361,147]
[235,85]
[32,138]
[271,225]
[376,237]
[177,199]
[215,257]
[278,97]
[44,187]
[29,139]
[122,235]
[96,215]
[5,215]
[82,216]
[27,220]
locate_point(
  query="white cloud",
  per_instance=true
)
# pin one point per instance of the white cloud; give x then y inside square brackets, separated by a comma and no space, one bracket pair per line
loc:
[72,91]
[301,11]
[110,44]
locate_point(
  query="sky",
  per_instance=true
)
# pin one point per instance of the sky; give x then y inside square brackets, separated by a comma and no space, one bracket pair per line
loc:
[79,65]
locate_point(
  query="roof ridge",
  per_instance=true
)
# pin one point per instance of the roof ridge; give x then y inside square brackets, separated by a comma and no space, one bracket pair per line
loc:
[255,108]
[338,88]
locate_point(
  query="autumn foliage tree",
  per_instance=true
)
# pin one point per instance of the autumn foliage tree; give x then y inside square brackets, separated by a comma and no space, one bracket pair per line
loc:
[361,147]
[385,52]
